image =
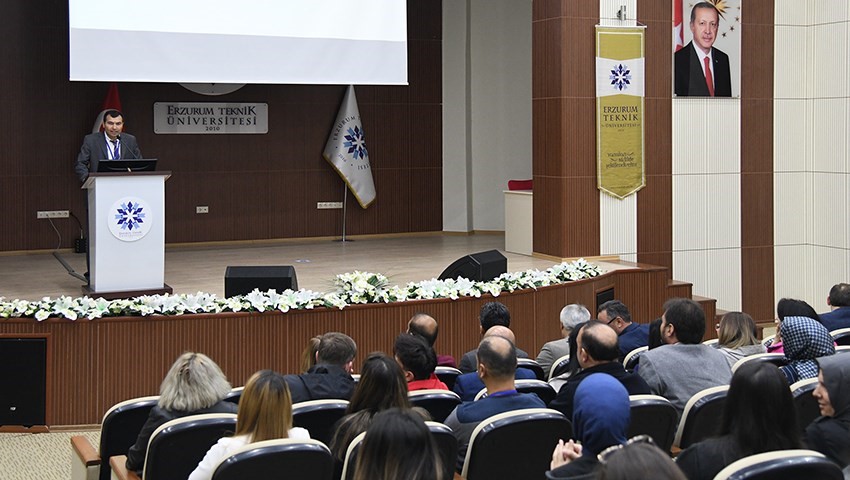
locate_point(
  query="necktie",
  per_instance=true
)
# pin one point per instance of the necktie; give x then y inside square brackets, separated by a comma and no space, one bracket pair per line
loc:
[116,152]
[709,81]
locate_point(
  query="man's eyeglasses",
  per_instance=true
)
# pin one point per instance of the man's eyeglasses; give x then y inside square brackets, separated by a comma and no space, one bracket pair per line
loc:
[605,455]
[612,320]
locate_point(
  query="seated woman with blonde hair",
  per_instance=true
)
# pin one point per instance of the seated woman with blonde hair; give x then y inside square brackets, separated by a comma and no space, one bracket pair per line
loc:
[265,413]
[736,337]
[193,385]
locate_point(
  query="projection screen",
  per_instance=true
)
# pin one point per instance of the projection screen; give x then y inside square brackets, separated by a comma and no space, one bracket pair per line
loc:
[243,41]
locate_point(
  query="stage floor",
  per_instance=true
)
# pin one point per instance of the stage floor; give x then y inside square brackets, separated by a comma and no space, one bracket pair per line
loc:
[191,269]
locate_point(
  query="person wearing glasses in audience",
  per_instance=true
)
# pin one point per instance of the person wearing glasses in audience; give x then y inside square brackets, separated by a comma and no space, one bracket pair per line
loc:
[632,335]
[601,419]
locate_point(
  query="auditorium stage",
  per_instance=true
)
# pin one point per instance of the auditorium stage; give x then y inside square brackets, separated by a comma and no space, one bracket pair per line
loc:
[200,268]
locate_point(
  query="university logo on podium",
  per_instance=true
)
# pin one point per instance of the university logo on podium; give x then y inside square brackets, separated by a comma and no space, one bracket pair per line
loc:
[130,219]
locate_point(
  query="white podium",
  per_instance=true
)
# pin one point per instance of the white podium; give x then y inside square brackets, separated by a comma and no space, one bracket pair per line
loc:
[519,216]
[126,234]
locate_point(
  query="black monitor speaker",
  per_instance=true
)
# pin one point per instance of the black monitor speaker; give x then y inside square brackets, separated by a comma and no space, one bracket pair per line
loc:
[243,280]
[23,381]
[481,267]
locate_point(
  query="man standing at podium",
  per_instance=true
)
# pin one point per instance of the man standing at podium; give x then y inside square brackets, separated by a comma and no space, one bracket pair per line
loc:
[111,144]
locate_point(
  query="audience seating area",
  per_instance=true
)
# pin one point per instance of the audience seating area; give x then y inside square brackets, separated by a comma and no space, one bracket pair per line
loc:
[654,416]
[701,416]
[498,441]
[438,403]
[782,465]
[319,417]
[276,458]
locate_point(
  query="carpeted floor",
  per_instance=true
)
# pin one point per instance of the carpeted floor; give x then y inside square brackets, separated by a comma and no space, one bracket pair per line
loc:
[39,456]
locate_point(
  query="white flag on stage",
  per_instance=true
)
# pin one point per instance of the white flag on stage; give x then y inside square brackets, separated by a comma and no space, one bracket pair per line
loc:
[346,150]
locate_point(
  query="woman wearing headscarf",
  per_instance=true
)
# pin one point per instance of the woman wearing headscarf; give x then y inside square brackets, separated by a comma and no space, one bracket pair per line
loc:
[829,434]
[600,419]
[804,340]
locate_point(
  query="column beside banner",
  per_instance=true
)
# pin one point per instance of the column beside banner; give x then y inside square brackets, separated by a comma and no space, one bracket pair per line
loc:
[620,80]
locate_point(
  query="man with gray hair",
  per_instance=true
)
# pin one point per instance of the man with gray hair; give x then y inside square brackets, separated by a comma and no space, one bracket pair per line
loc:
[571,315]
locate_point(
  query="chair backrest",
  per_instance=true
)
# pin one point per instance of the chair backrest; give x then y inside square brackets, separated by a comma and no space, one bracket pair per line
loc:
[782,465]
[538,387]
[655,416]
[235,395]
[701,416]
[444,439]
[842,349]
[349,465]
[439,403]
[120,427]
[806,405]
[632,358]
[446,443]
[711,342]
[559,366]
[532,365]
[515,444]
[841,336]
[178,446]
[281,458]
[319,417]
[777,359]
[447,375]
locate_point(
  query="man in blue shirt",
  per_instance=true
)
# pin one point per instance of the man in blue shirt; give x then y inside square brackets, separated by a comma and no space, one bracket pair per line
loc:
[496,367]
[839,302]
[632,335]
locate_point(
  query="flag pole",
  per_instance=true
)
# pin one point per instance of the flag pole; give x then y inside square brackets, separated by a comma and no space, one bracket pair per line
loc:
[344,208]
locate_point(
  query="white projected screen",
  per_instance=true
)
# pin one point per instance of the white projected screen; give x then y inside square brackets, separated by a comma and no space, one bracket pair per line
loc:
[239,41]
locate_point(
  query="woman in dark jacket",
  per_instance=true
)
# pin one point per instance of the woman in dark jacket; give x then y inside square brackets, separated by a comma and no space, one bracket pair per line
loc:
[758,417]
[193,385]
[829,434]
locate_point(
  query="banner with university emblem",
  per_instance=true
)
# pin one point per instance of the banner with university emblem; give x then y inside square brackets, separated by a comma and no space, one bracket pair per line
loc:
[620,78]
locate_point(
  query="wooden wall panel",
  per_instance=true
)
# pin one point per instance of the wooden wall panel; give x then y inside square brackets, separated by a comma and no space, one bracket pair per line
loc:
[757,60]
[238,176]
[95,364]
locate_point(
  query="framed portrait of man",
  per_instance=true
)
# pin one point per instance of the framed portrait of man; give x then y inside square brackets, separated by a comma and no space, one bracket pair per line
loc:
[707,48]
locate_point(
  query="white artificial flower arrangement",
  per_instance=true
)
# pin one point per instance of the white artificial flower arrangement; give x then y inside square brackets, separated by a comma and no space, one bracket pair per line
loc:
[350,289]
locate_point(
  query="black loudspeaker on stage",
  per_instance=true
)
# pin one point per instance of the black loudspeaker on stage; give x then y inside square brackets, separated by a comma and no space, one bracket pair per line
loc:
[481,267]
[243,280]
[23,381]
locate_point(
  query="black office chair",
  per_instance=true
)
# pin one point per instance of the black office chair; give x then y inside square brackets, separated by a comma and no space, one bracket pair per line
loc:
[532,365]
[281,458]
[178,446]
[701,417]
[439,403]
[559,367]
[654,416]
[515,444]
[120,427]
[782,465]
[777,359]
[806,405]
[631,360]
[234,396]
[447,375]
[446,447]
[538,387]
[319,417]
[841,336]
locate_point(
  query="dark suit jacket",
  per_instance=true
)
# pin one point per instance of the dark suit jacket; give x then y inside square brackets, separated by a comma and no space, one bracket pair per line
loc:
[838,318]
[634,384]
[689,79]
[94,150]
[320,382]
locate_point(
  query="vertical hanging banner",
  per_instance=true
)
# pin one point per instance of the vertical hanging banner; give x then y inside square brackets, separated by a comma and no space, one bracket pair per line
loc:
[619,110]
